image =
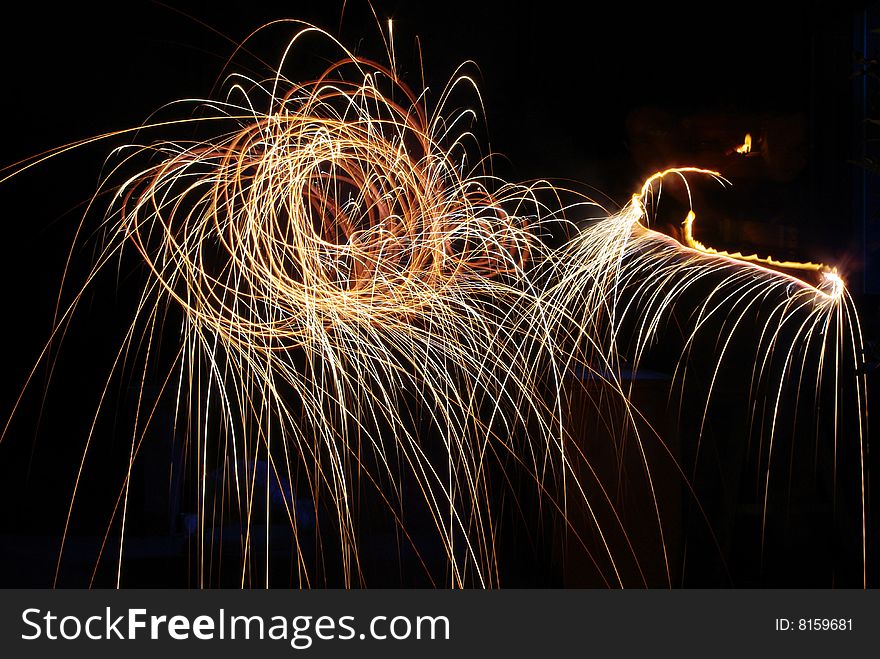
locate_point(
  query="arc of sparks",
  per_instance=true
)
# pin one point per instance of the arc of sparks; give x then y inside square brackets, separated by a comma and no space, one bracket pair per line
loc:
[830,276]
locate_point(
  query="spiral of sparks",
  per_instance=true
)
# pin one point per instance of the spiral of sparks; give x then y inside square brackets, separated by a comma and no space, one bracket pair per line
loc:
[336,268]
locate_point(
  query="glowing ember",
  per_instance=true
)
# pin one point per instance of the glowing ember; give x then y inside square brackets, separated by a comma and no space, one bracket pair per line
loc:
[746,146]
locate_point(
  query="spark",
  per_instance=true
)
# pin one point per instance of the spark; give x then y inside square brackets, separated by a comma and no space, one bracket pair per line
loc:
[746,147]
[805,328]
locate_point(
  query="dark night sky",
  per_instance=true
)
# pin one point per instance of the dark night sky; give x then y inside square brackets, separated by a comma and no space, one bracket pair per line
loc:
[559,81]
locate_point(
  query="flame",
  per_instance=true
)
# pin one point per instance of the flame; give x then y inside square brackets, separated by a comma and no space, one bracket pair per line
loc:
[746,146]
[835,282]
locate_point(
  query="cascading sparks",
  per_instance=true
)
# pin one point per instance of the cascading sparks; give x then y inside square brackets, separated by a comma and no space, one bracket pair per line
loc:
[351,290]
